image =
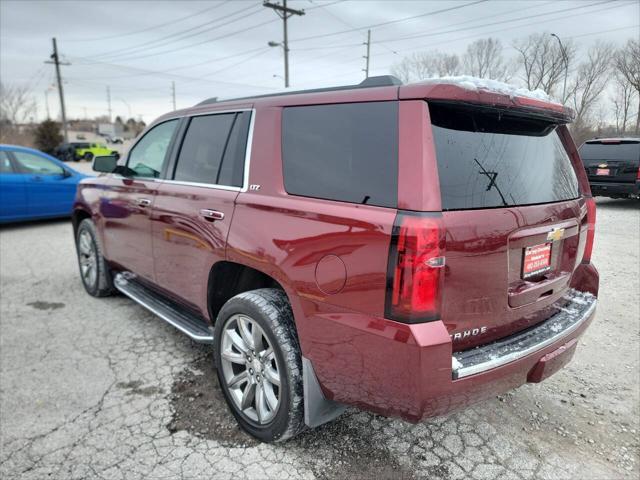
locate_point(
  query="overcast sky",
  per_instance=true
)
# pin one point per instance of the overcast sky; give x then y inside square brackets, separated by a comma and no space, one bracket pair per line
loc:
[219,48]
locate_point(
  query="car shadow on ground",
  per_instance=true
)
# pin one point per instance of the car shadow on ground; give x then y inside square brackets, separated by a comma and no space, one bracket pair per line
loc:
[34,224]
[199,408]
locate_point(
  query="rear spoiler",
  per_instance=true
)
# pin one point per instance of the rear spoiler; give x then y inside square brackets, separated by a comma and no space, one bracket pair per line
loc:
[451,93]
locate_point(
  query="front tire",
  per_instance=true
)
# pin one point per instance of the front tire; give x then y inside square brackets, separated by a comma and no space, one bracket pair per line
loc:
[94,272]
[88,156]
[259,364]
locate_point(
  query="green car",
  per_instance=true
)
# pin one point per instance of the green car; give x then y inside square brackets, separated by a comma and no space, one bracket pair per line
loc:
[87,151]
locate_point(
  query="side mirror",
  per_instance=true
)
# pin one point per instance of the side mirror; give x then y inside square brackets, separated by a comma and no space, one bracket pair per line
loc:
[105,164]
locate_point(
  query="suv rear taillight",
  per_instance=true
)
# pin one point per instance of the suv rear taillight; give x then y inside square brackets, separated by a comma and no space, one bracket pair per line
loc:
[415,273]
[591,222]
[638,174]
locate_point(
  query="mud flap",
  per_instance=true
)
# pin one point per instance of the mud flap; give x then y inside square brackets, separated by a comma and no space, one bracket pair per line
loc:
[317,408]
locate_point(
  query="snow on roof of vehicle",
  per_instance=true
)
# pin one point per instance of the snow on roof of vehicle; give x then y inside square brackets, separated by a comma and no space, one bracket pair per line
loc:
[494,86]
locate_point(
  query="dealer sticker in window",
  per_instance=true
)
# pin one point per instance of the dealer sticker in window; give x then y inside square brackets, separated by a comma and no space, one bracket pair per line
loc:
[537,260]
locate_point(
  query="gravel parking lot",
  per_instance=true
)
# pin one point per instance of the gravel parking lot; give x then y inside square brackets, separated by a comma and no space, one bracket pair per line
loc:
[100,388]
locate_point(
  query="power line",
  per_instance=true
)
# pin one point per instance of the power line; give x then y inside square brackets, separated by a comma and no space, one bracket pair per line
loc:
[605,31]
[154,27]
[183,34]
[390,22]
[344,22]
[181,67]
[324,5]
[230,34]
[574,14]
[480,34]
[180,77]
[537,5]
[500,22]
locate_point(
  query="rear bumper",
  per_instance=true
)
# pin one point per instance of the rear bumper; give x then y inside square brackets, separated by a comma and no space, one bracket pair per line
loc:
[580,309]
[408,371]
[615,188]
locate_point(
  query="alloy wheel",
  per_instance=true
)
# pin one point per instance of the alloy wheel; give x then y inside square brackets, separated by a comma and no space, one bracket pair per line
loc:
[88,258]
[250,369]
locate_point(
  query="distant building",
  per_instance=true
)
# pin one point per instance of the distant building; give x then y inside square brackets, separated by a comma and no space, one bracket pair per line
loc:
[110,129]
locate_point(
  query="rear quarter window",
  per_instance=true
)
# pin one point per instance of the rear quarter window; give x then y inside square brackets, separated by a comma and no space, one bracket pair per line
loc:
[488,158]
[343,152]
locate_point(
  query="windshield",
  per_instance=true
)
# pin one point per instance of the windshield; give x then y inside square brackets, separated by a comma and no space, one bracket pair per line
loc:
[488,158]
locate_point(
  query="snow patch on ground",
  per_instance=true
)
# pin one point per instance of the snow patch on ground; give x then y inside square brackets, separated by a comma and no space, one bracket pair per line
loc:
[473,83]
[455,364]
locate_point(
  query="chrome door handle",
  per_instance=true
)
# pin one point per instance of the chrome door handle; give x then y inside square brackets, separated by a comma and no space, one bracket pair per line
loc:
[211,215]
[143,202]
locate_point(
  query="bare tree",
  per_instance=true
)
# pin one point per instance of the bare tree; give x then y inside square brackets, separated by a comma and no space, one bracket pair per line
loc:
[426,65]
[627,63]
[543,62]
[16,104]
[484,59]
[589,81]
[403,70]
[622,100]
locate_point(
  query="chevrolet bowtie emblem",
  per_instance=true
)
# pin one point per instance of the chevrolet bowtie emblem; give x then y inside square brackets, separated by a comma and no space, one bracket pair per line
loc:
[602,165]
[555,234]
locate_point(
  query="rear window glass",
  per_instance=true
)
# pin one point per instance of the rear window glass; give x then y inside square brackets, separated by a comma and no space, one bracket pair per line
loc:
[488,158]
[344,152]
[610,151]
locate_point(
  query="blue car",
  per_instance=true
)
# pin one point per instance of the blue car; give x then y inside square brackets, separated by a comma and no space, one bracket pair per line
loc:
[34,185]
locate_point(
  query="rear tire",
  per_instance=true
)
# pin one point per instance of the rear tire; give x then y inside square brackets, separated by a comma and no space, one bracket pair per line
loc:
[88,156]
[256,347]
[94,272]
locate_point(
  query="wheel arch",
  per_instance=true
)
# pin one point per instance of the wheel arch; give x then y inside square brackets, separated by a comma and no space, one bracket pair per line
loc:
[228,279]
[78,215]
[234,278]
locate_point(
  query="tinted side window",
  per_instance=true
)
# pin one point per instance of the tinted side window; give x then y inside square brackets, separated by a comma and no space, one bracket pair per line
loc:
[5,163]
[208,153]
[345,152]
[36,164]
[148,156]
[232,170]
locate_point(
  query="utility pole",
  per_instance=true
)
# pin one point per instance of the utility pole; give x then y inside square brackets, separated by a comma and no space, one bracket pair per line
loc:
[284,12]
[55,59]
[368,44]
[566,66]
[109,101]
[173,93]
[46,102]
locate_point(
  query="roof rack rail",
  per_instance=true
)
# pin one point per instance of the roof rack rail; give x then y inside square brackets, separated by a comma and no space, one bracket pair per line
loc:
[370,82]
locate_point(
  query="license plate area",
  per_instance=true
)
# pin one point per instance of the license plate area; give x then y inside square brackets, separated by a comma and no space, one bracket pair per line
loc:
[536,260]
[603,171]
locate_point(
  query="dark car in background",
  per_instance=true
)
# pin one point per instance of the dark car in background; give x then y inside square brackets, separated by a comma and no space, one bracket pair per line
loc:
[613,166]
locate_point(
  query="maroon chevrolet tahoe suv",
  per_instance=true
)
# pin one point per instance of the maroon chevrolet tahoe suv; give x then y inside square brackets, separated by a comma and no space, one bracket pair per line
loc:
[406,249]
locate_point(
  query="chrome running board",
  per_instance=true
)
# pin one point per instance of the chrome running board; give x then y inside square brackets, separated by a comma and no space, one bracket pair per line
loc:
[578,310]
[194,326]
